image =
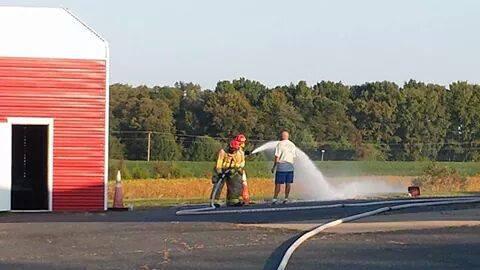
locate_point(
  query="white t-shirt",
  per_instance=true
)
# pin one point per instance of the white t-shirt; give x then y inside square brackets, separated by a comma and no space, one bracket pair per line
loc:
[286,152]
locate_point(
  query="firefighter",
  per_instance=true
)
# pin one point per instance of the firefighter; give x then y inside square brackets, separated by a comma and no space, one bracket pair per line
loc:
[243,140]
[229,169]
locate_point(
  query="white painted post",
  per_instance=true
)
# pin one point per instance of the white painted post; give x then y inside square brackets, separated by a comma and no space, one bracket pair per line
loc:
[149,144]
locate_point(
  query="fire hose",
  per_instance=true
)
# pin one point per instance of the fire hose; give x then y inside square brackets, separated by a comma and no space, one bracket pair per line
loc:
[307,235]
[217,185]
[211,207]
[209,210]
[401,204]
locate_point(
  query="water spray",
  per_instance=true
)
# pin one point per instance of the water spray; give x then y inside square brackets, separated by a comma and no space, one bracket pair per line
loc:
[311,184]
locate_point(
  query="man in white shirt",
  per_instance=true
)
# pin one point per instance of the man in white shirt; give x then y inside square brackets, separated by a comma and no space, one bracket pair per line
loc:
[285,154]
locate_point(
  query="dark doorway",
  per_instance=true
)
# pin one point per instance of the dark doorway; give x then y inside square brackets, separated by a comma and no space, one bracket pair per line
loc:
[29,167]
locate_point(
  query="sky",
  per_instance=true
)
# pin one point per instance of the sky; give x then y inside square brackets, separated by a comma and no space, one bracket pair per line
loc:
[159,42]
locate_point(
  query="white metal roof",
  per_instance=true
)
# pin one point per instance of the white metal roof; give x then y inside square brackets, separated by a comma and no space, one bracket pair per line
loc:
[47,33]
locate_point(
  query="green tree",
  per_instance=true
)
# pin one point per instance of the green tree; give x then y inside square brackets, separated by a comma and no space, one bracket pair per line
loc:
[304,139]
[464,131]
[301,96]
[191,117]
[335,91]
[170,95]
[165,147]
[224,87]
[374,120]
[423,120]
[254,91]
[374,112]
[119,93]
[330,122]
[116,150]
[229,113]
[204,148]
[134,112]
[278,113]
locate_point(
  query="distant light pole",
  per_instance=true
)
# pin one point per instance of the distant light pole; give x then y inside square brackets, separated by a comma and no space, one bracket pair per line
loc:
[149,145]
[323,152]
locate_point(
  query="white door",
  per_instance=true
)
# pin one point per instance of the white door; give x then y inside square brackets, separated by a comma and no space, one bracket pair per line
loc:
[5,165]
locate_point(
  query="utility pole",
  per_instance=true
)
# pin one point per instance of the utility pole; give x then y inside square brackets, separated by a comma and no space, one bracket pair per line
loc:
[148,145]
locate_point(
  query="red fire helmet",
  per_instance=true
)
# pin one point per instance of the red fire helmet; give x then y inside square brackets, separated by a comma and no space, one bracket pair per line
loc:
[241,138]
[234,145]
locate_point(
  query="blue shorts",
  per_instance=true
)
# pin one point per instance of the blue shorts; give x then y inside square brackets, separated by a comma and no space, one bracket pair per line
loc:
[284,177]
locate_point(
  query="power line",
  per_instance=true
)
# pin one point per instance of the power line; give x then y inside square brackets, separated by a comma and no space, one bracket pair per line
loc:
[326,143]
[175,134]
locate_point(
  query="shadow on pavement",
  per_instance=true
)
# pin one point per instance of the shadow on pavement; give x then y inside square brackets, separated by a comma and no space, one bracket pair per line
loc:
[275,258]
[168,215]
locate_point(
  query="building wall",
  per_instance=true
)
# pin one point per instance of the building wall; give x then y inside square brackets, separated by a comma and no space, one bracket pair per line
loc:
[73,93]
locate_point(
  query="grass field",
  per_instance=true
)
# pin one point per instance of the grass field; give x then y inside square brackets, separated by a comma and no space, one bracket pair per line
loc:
[189,169]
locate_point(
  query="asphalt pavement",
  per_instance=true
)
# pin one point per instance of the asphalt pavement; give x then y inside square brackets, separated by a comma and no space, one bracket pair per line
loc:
[158,239]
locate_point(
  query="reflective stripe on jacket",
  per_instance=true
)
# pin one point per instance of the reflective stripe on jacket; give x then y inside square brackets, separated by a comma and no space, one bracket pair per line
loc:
[226,160]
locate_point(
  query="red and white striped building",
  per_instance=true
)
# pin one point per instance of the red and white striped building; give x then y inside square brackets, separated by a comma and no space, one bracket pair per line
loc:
[53,112]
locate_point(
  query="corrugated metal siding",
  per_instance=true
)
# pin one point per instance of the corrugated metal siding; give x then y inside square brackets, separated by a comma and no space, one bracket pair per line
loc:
[73,93]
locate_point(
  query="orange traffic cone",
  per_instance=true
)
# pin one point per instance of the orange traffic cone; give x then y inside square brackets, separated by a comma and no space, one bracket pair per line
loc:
[245,194]
[118,197]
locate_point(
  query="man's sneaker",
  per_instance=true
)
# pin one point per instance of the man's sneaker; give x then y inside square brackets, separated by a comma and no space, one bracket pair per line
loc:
[274,201]
[285,201]
[217,205]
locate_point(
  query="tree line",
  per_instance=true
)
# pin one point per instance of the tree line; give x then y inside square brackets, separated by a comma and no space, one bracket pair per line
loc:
[371,121]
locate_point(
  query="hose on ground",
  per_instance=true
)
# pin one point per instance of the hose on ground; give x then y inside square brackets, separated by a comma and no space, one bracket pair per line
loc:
[212,210]
[288,253]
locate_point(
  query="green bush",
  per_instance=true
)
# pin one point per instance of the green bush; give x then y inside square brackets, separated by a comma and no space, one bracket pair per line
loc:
[164,147]
[305,140]
[141,173]
[166,170]
[116,150]
[204,148]
[438,178]
[370,152]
